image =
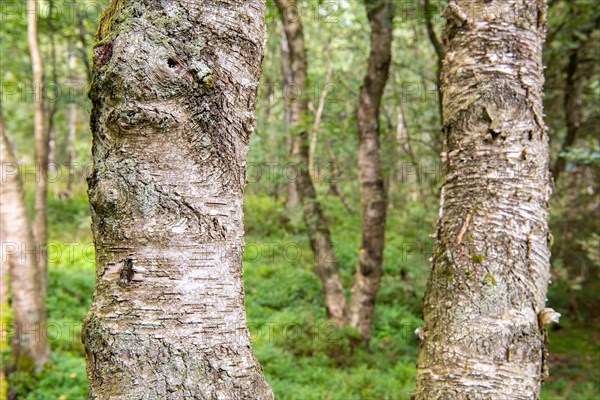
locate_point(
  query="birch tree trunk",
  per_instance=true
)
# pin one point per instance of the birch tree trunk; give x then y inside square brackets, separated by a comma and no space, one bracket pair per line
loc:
[40,228]
[72,125]
[484,315]
[4,305]
[368,274]
[4,271]
[318,230]
[30,341]
[174,96]
[293,197]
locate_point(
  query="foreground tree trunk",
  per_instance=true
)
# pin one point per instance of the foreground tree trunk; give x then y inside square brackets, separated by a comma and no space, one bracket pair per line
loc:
[368,274]
[318,230]
[41,136]
[30,341]
[484,315]
[174,98]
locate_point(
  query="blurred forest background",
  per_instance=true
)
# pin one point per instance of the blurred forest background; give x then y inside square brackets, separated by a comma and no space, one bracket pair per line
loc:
[304,355]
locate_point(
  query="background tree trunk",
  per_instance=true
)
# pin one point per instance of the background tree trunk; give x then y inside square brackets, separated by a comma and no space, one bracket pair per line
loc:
[40,228]
[318,230]
[51,106]
[368,274]
[293,197]
[572,98]
[484,308]
[82,33]
[30,341]
[4,306]
[72,125]
[440,53]
[4,273]
[174,98]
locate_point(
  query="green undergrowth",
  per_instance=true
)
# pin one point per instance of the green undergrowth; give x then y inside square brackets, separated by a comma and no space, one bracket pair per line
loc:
[304,355]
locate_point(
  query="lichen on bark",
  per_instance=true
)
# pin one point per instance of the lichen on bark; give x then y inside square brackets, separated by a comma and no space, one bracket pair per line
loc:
[481,337]
[173,99]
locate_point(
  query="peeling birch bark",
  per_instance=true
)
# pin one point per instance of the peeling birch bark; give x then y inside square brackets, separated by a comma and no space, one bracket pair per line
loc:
[483,337]
[174,96]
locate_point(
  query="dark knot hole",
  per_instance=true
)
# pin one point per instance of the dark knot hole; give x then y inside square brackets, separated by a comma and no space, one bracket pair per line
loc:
[127,272]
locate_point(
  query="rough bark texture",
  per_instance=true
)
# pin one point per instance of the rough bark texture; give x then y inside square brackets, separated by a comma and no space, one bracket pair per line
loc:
[174,96]
[30,344]
[368,274]
[318,230]
[484,308]
[41,136]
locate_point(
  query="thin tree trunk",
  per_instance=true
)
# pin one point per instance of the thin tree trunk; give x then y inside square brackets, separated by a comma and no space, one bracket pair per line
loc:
[314,133]
[484,316]
[318,230]
[4,306]
[40,227]
[174,97]
[440,54]
[369,272]
[293,197]
[4,284]
[572,102]
[335,170]
[4,271]
[30,341]
[404,146]
[572,114]
[72,124]
[335,174]
[52,105]
[82,33]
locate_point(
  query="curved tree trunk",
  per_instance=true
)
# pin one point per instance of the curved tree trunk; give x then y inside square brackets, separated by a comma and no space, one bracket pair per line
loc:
[30,341]
[483,334]
[40,227]
[318,230]
[174,98]
[368,274]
